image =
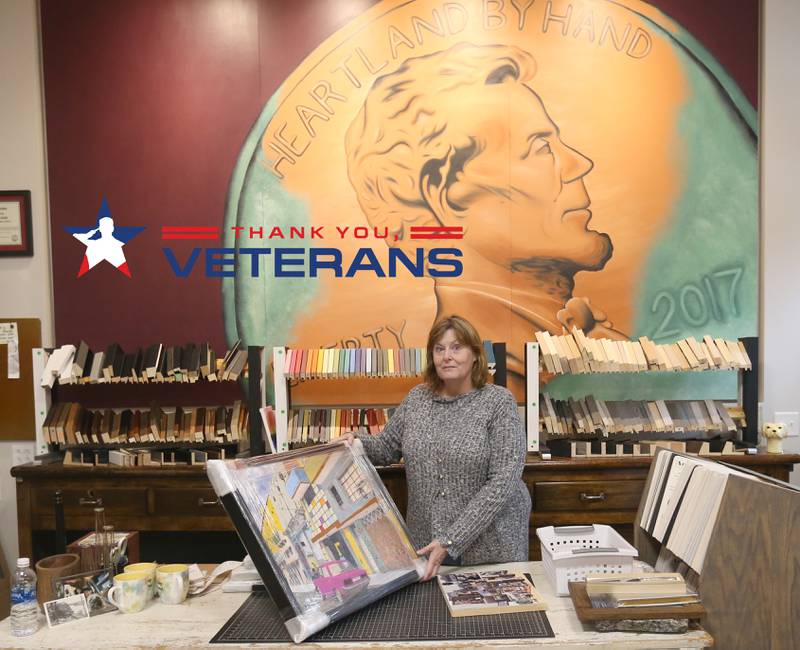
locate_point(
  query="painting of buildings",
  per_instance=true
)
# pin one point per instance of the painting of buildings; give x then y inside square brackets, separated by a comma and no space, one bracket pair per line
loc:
[329,526]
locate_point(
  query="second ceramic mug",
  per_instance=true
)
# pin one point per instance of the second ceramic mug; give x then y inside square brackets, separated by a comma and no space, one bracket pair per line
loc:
[130,592]
[173,583]
[150,569]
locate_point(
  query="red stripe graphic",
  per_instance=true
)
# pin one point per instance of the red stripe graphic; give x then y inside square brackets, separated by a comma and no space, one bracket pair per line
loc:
[437,232]
[189,228]
[189,232]
[440,236]
[188,236]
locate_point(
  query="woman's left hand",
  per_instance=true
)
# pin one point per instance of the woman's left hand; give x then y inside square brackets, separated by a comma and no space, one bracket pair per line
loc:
[436,554]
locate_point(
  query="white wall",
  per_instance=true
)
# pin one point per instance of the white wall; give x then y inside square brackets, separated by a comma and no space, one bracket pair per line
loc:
[25,282]
[25,287]
[780,225]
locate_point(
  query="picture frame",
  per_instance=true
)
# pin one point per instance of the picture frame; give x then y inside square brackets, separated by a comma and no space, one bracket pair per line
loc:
[66,610]
[16,232]
[320,528]
[481,593]
[94,586]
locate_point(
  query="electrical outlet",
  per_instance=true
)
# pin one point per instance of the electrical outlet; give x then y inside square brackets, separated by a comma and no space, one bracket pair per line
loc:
[790,419]
[22,453]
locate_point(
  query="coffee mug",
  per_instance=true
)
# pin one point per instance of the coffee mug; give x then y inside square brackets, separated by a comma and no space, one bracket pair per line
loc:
[150,569]
[173,583]
[130,592]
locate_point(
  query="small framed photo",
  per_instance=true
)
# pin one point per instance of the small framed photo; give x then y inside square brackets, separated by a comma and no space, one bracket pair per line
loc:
[66,610]
[92,585]
[16,235]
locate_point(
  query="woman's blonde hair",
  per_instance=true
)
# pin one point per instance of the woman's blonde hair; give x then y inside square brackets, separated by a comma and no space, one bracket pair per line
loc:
[465,334]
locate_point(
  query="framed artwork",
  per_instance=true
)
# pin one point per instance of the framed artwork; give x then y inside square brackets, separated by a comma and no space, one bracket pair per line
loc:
[16,235]
[478,593]
[321,529]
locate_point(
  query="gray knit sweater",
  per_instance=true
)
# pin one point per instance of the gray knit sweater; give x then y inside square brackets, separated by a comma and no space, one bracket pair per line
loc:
[464,457]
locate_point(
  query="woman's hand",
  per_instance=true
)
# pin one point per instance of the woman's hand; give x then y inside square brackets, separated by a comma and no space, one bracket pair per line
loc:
[349,438]
[436,554]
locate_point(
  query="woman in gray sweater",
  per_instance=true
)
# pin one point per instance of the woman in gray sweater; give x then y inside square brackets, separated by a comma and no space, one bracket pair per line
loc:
[464,449]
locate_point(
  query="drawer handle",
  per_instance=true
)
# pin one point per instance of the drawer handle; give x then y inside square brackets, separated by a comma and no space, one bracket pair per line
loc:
[593,497]
[206,502]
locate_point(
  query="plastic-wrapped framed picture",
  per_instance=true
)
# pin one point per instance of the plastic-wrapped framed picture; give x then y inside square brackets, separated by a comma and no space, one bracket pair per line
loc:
[321,529]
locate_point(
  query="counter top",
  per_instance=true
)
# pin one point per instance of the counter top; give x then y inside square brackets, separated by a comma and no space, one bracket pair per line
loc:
[194,622]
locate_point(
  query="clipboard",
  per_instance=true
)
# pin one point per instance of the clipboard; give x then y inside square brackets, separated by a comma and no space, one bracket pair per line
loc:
[16,395]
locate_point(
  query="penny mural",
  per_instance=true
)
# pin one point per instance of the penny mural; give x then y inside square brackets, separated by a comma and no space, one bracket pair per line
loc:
[582,162]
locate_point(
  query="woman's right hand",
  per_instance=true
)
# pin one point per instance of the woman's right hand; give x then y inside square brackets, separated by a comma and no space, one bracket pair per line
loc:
[349,438]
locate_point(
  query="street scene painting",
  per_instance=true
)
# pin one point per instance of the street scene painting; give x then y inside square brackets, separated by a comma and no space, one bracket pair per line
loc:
[331,534]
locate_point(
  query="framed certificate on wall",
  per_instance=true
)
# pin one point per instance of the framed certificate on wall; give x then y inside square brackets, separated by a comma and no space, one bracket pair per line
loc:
[16,236]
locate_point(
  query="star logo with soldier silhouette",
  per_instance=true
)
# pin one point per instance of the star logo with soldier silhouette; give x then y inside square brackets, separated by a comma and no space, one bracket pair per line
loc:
[104,241]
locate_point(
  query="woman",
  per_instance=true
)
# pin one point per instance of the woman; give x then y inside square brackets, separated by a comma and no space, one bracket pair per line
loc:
[464,450]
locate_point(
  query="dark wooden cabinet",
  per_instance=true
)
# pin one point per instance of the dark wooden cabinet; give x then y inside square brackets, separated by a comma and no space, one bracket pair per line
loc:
[160,500]
[574,491]
[150,500]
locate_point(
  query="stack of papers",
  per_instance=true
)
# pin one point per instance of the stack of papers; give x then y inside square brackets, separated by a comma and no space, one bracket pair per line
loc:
[638,590]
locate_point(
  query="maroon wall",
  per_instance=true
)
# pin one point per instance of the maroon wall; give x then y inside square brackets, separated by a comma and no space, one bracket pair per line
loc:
[729,30]
[148,103]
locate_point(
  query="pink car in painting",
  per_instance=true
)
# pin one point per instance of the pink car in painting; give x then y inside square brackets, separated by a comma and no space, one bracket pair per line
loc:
[337,578]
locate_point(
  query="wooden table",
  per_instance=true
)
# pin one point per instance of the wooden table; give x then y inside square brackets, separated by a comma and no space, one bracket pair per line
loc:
[193,623]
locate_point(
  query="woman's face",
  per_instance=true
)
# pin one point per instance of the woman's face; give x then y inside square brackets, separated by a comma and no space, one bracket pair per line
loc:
[452,359]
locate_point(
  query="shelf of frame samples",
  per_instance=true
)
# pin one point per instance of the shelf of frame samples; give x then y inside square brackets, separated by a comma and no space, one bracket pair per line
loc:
[294,428]
[95,407]
[588,426]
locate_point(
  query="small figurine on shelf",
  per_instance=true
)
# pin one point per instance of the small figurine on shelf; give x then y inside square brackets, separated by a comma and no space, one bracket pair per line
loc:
[774,432]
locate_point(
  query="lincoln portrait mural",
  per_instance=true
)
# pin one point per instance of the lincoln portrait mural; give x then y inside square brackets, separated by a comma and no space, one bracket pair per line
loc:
[583,163]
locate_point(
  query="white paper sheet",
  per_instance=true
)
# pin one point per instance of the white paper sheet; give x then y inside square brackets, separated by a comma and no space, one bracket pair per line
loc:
[201,581]
[9,334]
[10,223]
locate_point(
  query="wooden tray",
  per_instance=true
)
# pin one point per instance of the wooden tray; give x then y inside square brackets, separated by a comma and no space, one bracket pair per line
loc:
[588,614]
[87,553]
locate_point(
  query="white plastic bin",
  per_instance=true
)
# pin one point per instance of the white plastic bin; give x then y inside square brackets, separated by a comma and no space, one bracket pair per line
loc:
[570,552]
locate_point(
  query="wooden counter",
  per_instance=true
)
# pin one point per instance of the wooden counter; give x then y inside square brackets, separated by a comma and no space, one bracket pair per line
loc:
[564,492]
[194,622]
